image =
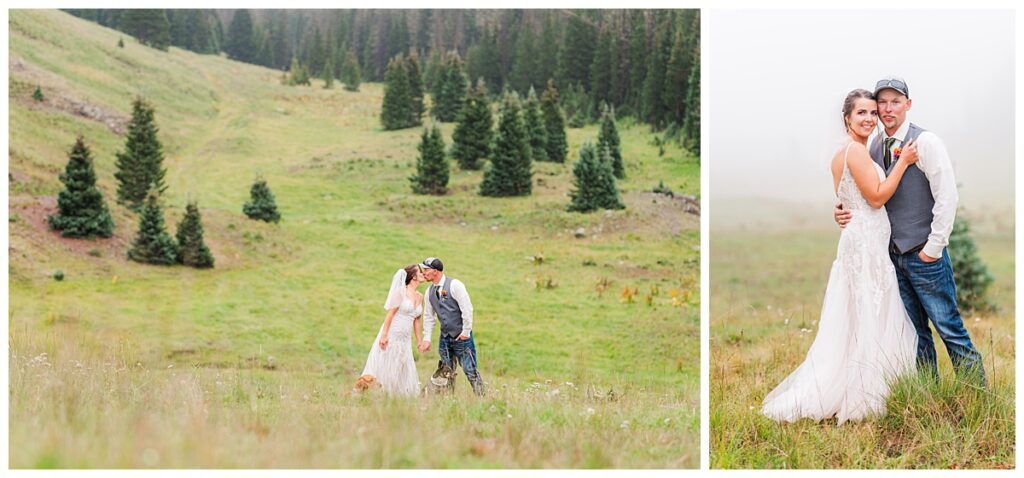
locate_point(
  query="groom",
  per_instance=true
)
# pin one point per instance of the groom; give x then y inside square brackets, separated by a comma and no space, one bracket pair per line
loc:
[921,214]
[448,300]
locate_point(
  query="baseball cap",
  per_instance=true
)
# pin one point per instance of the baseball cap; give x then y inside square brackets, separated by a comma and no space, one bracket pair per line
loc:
[893,82]
[433,263]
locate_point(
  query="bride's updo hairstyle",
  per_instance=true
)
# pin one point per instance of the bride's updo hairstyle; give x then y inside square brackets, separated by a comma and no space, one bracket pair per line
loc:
[410,273]
[852,98]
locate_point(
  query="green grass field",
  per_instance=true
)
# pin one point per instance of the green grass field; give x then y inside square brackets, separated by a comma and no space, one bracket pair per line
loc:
[766,298]
[250,364]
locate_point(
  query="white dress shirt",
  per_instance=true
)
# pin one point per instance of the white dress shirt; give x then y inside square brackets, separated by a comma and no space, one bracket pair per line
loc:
[934,162]
[458,292]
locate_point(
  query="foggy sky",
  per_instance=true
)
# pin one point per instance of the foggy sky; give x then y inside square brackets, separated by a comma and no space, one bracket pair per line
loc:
[777,80]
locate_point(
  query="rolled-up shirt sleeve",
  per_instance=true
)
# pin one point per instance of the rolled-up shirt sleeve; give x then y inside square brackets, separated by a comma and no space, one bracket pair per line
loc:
[938,168]
[462,297]
[428,319]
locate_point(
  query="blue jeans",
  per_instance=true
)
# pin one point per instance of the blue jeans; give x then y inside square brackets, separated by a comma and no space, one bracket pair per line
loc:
[929,292]
[463,352]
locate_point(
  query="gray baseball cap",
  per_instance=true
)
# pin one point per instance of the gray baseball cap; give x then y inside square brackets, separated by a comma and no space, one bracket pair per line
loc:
[893,82]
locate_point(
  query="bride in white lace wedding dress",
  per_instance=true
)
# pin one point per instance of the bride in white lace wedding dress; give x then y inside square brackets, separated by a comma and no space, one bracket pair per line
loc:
[865,339]
[390,361]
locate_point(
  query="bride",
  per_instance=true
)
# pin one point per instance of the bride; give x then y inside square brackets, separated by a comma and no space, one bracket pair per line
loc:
[865,339]
[390,360]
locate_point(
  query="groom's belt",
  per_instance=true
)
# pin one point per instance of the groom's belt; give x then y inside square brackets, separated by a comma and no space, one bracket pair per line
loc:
[895,250]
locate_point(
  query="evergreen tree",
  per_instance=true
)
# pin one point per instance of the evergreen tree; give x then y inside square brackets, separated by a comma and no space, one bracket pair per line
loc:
[397,109]
[536,128]
[432,165]
[149,26]
[298,74]
[261,206]
[484,60]
[577,51]
[192,251]
[547,56]
[450,91]
[81,210]
[432,75]
[152,244]
[416,94]
[578,106]
[38,94]
[653,106]
[601,70]
[557,144]
[637,62]
[691,124]
[140,165]
[594,182]
[120,42]
[472,136]
[677,75]
[328,74]
[969,273]
[608,141]
[241,41]
[317,51]
[509,173]
[350,74]
[524,64]
[200,33]
[617,76]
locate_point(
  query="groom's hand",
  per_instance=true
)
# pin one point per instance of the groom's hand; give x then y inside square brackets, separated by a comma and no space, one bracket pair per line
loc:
[424,346]
[925,258]
[463,337]
[842,216]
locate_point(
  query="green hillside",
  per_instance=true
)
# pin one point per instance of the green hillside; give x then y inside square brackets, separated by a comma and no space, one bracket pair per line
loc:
[263,349]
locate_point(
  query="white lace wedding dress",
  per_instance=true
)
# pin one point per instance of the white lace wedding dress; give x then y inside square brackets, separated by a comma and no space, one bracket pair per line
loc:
[394,367]
[865,339]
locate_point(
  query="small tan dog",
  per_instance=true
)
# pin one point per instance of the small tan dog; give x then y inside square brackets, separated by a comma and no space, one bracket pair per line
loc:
[365,383]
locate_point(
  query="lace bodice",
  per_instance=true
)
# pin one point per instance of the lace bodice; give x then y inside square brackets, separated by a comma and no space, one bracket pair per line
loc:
[864,244]
[401,323]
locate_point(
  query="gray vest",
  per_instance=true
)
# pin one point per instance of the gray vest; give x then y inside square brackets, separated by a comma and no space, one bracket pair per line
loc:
[446,308]
[910,208]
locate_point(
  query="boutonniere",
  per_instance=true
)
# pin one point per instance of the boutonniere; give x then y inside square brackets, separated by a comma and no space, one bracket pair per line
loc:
[896,153]
[444,293]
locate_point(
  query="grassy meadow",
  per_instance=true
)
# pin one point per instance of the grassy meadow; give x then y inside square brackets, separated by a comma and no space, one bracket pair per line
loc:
[251,364]
[765,302]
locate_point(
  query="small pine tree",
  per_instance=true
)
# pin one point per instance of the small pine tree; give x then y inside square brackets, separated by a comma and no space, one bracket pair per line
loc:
[192,251]
[608,139]
[140,165]
[120,42]
[396,111]
[298,74]
[554,120]
[416,94]
[509,173]
[472,137]
[262,205]
[38,94]
[432,165]
[969,273]
[152,244]
[81,210]
[594,182]
[450,90]
[328,74]
[350,74]
[536,127]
